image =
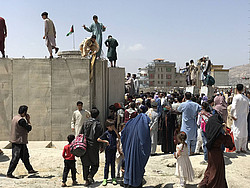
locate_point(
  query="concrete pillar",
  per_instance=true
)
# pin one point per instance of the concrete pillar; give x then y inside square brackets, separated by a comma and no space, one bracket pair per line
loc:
[116,80]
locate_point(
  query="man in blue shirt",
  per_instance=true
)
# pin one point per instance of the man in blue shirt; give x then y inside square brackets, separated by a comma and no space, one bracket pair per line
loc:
[189,111]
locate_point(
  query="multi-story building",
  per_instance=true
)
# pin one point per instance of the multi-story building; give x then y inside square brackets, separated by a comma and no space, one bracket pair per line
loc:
[220,75]
[161,74]
[143,77]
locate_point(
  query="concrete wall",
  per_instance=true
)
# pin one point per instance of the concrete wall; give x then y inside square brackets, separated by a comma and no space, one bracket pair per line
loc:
[221,78]
[6,99]
[51,88]
[116,90]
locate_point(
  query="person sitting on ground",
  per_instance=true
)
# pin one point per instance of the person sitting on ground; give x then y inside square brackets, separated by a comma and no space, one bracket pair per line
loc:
[110,137]
[69,163]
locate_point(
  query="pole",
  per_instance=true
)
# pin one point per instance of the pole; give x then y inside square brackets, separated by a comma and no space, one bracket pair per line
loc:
[74,40]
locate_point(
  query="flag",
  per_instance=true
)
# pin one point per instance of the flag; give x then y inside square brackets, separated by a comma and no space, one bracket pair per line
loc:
[71,31]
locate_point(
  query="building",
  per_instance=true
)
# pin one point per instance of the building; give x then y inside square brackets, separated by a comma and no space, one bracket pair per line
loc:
[220,75]
[161,74]
[143,77]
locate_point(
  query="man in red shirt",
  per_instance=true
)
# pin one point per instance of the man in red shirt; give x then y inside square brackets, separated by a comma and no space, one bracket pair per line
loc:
[69,162]
[3,35]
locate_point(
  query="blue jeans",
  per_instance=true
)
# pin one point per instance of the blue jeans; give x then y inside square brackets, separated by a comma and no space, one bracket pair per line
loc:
[110,157]
[191,144]
[204,140]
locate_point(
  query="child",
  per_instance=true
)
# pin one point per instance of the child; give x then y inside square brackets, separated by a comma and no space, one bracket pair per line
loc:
[119,154]
[109,137]
[184,167]
[202,120]
[69,163]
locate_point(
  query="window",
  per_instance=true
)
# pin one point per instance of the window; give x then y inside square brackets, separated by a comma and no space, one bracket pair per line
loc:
[151,76]
[151,83]
[161,69]
[176,81]
[168,69]
[161,76]
[145,74]
[168,84]
[161,82]
[168,76]
[158,76]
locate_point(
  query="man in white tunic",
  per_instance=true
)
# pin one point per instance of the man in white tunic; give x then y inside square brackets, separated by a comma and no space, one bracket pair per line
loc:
[78,118]
[153,115]
[49,34]
[239,112]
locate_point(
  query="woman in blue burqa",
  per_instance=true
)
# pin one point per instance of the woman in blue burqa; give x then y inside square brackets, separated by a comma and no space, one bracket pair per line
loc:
[136,144]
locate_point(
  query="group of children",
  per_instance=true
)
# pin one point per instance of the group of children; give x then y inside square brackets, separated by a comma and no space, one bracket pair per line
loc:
[113,153]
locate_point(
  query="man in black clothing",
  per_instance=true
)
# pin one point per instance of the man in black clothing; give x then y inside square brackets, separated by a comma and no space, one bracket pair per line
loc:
[19,138]
[92,130]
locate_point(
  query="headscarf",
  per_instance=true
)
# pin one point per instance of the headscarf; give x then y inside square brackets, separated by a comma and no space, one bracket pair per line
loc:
[213,129]
[221,107]
[136,145]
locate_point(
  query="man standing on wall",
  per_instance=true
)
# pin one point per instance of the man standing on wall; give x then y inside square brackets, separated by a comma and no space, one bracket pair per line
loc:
[3,35]
[50,34]
[19,138]
[96,28]
[111,43]
[136,84]
[78,118]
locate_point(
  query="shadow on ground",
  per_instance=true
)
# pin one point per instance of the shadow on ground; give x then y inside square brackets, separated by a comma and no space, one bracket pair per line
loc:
[4,158]
[171,185]
[233,155]
[38,176]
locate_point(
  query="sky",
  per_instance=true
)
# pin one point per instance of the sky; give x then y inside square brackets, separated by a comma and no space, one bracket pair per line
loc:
[175,30]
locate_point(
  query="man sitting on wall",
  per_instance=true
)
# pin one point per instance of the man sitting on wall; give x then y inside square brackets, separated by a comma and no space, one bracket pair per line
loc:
[89,46]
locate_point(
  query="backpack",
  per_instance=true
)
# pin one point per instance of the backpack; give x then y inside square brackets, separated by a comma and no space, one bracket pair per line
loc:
[210,80]
[78,146]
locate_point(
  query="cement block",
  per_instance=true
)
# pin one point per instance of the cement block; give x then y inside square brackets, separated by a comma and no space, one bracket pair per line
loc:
[207,90]
[116,90]
[51,88]
[6,99]
[192,89]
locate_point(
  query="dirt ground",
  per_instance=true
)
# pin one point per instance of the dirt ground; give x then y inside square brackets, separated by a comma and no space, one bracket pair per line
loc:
[49,163]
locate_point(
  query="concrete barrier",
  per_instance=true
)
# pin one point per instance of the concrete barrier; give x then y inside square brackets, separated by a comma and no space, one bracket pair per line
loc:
[51,89]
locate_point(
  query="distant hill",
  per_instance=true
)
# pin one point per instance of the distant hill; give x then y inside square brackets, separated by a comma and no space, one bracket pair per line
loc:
[239,74]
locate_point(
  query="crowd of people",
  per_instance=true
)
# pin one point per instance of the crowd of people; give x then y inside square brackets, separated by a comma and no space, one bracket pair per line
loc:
[183,124]
[195,116]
